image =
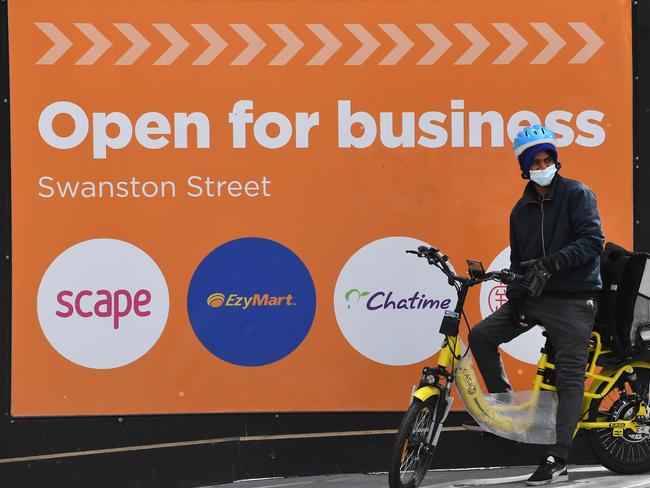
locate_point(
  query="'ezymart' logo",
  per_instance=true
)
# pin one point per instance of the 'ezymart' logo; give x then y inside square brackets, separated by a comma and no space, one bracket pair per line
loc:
[217,300]
[103,303]
[251,312]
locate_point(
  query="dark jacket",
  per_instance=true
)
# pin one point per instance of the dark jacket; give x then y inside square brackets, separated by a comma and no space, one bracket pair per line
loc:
[567,222]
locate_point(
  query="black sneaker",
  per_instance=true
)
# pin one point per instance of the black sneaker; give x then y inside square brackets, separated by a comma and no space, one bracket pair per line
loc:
[472,426]
[550,471]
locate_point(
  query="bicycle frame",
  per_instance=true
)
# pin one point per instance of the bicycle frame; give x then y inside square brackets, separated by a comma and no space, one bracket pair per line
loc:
[467,383]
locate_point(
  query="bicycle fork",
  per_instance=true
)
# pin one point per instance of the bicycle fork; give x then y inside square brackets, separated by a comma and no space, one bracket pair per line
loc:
[442,410]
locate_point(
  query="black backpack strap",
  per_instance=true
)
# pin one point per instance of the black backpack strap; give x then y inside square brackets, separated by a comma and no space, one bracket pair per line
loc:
[645,269]
[609,296]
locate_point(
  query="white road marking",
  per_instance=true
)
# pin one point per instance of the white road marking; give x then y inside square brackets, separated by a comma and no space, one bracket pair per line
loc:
[339,480]
[259,479]
[588,469]
[302,483]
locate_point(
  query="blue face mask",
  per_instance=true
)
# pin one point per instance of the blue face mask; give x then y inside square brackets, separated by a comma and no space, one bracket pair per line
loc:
[543,177]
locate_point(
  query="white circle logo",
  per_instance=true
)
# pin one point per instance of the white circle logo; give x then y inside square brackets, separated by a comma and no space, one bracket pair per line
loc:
[389,304]
[493,294]
[103,303]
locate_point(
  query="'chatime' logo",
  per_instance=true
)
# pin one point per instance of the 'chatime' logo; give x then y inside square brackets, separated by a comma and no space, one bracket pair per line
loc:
[217,300]
[383,300]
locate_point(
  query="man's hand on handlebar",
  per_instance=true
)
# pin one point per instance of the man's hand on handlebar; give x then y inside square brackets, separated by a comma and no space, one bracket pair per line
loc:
[538,271]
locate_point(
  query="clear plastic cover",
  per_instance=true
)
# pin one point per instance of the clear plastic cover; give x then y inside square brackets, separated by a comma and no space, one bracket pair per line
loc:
[523,416]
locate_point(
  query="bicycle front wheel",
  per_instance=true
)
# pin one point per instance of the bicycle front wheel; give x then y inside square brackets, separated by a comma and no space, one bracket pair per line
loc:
[411,455]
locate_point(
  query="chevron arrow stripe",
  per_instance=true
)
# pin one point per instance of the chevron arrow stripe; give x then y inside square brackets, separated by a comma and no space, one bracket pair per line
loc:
[61,43]
[100,44]
[517,43]
[440,44]
[402,44]
[331,45]
[215,41]
[139,44]
[555,43]
[594,43]
[255,44]
[479,43]
[293,44]
[368,44]
[177,44]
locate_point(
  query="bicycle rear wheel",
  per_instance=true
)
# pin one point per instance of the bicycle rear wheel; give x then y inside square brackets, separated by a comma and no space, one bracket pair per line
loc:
[630,453]
[411,455]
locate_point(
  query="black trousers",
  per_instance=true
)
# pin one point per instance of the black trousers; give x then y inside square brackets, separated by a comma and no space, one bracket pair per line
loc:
[568,323]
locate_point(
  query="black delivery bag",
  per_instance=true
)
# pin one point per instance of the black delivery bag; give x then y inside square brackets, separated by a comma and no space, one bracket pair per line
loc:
[624,301]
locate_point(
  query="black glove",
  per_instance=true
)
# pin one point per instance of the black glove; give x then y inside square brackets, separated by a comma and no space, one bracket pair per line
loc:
[538,271]
[550,264]
[517,299]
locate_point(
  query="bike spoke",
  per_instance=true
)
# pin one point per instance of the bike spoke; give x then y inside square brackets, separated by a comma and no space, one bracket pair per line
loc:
[407,465]
[413,459]
[619,404]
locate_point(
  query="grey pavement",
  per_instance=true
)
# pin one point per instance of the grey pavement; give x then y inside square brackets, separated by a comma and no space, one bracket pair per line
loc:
[580,476]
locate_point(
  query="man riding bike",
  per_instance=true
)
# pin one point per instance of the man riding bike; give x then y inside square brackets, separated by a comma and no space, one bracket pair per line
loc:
[556,240]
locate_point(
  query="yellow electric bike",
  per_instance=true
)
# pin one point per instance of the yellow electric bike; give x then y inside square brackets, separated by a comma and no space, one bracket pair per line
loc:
[615,413]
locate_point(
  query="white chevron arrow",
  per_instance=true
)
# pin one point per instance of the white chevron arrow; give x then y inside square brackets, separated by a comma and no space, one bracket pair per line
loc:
[594,43]
[555,43]
[331,45]
[479,43]
[139,44]
[177,45]
[215,41]
[293,44]
[61,43]
[517,43]
[402,44]
[100,44]
[255,44]
[440,44]
[368,44]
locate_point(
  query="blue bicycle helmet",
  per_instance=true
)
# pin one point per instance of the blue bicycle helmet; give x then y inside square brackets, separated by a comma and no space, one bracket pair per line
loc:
[530,141]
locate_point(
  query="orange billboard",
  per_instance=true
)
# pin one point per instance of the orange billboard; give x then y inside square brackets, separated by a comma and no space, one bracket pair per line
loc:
[211,200]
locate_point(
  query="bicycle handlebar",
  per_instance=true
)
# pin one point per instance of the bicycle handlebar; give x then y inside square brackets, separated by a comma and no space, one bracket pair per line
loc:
[434,257]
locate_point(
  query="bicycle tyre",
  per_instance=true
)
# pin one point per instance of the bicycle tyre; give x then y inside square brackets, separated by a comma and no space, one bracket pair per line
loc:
[629,454]
[410,458]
